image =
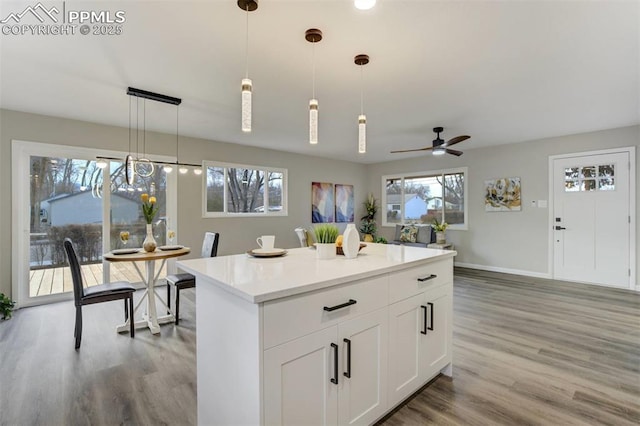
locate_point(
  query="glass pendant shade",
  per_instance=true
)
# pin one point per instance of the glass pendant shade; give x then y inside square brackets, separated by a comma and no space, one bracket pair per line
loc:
[313,121]
[246,105]
[362,134]
[197,171]
[167,169]
[183,170]
[101,164]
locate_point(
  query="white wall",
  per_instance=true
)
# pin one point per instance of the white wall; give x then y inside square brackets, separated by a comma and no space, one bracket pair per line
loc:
[237,234]
[516,241]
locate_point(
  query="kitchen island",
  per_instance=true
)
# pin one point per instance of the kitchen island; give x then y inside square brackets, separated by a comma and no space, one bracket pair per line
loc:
[296,340]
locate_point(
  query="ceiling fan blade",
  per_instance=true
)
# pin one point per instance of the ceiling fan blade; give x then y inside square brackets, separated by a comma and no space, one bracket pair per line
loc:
[411,150]
[453,152]
[456,140]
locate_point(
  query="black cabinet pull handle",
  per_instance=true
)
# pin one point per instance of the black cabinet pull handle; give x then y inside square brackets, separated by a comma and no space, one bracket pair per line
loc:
[430,277]
[348,372]
[334,380]
[431,315]
[344,305]
[560,228]
[424,310]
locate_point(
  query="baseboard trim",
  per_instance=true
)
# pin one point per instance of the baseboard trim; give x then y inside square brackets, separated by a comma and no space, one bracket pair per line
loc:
[503,270]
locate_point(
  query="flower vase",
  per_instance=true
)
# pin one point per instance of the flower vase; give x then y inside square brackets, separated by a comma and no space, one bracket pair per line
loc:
[149,244]
[441,237]
[351,242]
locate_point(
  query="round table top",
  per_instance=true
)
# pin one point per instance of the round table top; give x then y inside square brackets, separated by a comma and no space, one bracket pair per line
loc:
[142,255]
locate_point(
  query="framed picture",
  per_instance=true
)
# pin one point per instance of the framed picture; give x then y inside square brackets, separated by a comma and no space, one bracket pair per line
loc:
[344,203]
[322,206]
[502,195]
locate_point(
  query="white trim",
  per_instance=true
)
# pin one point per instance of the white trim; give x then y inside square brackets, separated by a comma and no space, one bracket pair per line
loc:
[503,270]
[383,197]
[224,214]
[631,150]
[21,151]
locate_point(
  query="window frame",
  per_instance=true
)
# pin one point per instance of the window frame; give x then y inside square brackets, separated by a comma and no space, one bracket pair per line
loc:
[429,173]
[227,214]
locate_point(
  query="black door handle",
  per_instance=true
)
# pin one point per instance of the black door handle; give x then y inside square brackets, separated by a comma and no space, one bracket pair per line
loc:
[344,305]
[334,380]
[431,315]
[424,310]
[348,372]
[560,228]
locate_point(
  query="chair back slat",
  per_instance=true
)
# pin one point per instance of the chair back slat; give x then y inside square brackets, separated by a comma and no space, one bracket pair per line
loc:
[76,274]
[210,244]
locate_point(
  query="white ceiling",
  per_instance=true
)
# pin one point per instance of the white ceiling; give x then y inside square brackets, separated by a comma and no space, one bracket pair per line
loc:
[499,71]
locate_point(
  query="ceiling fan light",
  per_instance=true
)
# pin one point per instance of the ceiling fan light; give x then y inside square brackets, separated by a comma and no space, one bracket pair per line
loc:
[313,121]
[364,4]
[438,151]
[246,105]
[362,134]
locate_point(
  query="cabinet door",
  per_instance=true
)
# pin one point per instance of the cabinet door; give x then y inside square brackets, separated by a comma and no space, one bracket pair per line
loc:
[297,381]
[405,341]
[363,368]
[438,345]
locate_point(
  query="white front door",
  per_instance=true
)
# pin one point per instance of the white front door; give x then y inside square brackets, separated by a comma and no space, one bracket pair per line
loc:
[592,219]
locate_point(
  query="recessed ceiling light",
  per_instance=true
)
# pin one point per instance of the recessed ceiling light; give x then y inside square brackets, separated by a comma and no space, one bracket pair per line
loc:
[364,4]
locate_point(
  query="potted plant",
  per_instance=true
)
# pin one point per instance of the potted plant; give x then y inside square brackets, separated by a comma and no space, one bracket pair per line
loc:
[326,236]
[6,306]
[440,228]
[368,221]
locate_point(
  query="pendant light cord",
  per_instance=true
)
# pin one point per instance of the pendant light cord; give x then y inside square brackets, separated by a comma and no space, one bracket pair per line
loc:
[247,44]
[144,129]
[137,127]
[313,70]
[177,145]
[129,124]
[361,91]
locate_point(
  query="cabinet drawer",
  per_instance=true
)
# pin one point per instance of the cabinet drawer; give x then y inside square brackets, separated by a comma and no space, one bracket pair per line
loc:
[407,283]
[292,317]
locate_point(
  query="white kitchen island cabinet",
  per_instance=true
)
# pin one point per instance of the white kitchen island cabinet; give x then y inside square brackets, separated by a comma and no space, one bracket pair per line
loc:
[295,340]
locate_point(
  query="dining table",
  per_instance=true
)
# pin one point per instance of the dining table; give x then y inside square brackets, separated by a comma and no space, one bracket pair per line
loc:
[149,317]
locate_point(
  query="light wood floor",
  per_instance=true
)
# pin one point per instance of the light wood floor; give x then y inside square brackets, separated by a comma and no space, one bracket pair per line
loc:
[526,351]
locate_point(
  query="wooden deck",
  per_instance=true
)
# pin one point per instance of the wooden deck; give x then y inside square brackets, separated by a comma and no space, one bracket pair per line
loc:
[43,282]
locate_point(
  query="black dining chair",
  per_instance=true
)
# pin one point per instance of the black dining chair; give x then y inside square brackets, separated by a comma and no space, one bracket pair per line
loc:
[96,294]
[185,279]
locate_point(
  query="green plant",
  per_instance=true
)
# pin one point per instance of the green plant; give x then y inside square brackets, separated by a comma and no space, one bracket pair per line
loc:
[6,306]
[381,240]
[149,208]
[326,234]
[439,227]
[368,225]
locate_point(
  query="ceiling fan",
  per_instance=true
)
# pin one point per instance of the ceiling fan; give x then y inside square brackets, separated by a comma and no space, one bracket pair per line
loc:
[439,146]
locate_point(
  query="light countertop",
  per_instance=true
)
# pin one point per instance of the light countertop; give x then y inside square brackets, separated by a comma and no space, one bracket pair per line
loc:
[259,280]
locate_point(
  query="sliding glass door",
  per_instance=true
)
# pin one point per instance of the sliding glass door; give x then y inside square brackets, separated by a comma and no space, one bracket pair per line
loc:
[60,192]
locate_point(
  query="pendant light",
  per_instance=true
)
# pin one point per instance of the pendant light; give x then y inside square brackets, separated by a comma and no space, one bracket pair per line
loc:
[313,36]
[248,6]
[364,4]
[362,60]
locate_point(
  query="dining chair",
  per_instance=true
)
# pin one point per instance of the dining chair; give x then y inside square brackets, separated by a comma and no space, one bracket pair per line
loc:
[187,280]
[302,236]
[97,293]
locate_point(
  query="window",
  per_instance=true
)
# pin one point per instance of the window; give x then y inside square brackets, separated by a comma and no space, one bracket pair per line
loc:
[425,196]
[585,178]
[241,190]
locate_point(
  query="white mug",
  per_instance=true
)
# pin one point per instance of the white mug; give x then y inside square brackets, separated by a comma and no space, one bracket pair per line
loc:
[266,242]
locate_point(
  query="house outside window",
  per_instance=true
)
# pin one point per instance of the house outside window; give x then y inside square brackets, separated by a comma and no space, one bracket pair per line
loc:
[422,197]
[235,190]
